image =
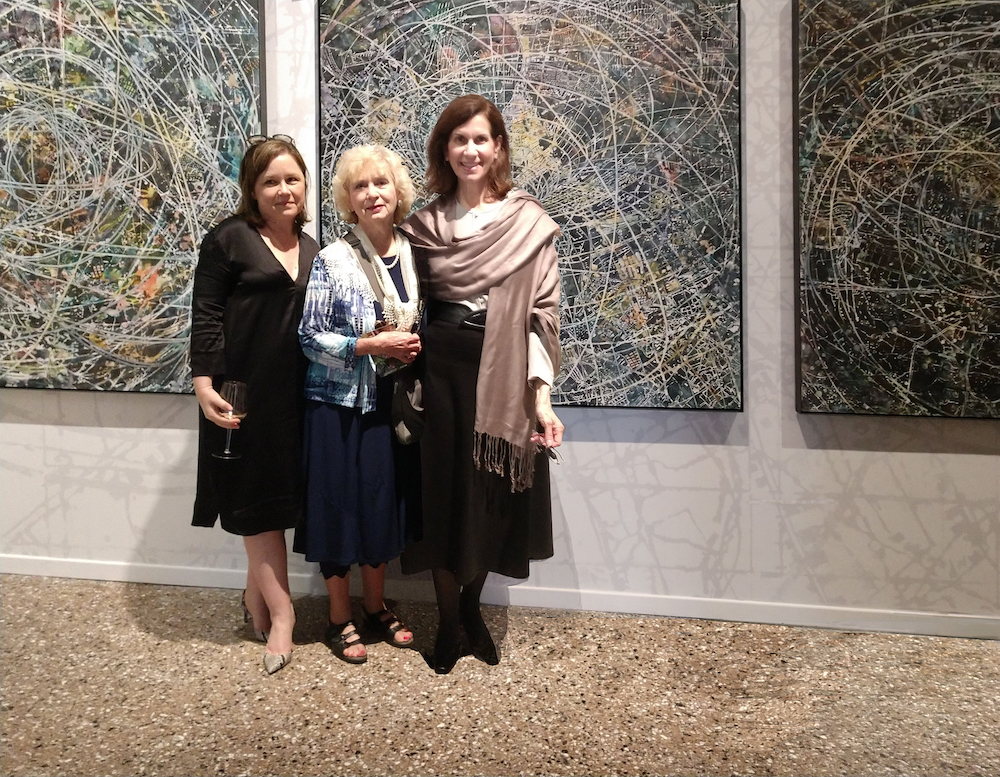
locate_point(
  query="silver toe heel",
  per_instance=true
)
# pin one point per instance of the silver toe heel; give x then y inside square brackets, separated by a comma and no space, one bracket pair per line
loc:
[275,661]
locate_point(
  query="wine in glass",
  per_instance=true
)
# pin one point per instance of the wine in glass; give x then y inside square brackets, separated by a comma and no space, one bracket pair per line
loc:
[235,393]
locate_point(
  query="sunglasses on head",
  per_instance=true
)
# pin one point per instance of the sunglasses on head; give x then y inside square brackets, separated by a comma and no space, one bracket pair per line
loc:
[253,140]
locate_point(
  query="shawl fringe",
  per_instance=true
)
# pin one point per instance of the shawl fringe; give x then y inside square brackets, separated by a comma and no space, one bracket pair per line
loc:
[501,457]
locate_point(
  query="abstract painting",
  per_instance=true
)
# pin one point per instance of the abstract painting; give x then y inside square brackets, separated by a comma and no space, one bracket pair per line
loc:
[121,127]
[899,207]
[624,121]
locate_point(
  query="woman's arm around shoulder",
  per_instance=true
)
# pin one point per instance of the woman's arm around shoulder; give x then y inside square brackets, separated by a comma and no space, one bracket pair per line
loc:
[326,332]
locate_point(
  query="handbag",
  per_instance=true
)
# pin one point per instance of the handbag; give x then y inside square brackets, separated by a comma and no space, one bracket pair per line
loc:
[407,405]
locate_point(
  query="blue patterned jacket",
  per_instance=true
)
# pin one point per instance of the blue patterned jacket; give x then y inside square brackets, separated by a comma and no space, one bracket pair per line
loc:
[335,314]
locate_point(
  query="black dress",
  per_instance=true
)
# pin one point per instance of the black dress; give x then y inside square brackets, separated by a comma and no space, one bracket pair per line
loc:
[471,521]
[245,318]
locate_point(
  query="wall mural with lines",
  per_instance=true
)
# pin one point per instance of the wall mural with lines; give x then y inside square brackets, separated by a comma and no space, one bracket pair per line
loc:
[624,121]
[899,207]
[121,128]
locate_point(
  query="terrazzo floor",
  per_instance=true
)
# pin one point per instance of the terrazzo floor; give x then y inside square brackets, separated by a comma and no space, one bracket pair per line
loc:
[132,679]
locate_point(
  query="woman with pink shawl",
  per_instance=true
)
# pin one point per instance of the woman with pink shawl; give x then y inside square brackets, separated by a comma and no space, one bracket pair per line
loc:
[489,271]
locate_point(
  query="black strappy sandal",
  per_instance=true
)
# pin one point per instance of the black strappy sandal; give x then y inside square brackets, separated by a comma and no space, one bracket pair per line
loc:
[386,625]
[338,640]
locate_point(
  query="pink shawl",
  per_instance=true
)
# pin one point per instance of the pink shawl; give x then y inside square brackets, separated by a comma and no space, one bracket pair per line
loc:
[513,259]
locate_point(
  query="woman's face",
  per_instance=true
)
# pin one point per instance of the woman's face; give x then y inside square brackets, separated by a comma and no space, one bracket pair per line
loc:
[472,150]
[373,199]
[280,191]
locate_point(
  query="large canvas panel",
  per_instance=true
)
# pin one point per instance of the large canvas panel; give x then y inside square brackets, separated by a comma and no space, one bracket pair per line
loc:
[624,122]
[121,128]
[899,188]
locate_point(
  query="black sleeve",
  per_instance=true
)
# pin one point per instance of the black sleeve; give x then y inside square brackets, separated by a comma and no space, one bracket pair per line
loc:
[213,283]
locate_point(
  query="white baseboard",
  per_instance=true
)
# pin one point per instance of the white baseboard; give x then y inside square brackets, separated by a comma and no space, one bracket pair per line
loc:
[526,595]
[778,613]
[162,574]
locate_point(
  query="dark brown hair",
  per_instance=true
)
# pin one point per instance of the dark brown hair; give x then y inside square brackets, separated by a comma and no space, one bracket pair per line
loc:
[441,179]
[255,161]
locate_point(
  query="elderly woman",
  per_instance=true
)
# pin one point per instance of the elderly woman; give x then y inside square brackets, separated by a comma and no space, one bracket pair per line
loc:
[492,351]
[249,286]
[362,309]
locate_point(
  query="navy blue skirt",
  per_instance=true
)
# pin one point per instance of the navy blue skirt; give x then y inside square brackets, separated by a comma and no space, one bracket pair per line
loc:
[362,486]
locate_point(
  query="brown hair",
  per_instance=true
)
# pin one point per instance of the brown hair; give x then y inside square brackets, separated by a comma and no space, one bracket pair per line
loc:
[361,159]
[255,161]
[441,179]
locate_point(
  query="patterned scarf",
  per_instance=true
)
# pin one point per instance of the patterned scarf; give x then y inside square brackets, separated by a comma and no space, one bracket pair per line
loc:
[400,315]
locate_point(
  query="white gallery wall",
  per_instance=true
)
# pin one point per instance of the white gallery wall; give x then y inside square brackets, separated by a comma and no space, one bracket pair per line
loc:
[765,515]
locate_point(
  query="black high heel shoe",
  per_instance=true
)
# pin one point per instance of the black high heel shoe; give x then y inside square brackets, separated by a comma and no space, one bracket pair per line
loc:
[480,640]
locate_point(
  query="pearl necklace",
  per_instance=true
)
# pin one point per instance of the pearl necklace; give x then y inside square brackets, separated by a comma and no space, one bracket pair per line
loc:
[401,315]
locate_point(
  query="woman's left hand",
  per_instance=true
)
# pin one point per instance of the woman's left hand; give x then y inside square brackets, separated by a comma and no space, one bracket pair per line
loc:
[550,432]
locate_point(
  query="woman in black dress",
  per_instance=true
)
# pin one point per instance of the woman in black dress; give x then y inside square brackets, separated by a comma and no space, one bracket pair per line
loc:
[487,258]
[249,288]
[362,309]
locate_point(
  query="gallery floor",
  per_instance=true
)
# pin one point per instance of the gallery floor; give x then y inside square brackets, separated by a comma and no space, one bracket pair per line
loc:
[131,679]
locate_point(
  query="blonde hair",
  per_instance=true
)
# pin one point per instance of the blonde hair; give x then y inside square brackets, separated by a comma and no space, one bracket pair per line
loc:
[357,160]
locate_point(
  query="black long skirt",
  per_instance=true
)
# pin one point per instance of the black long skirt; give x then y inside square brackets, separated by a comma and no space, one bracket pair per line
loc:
[471,521]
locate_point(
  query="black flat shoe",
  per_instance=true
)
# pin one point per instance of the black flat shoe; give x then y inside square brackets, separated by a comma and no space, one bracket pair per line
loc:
[480,640]
[445,655]
[339,640]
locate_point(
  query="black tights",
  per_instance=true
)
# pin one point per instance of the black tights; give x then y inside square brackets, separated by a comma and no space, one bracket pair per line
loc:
[457,604]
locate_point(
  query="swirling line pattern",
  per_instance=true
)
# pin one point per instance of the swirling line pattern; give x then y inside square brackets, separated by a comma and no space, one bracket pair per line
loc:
[121,127]
[899,226]
[624,122]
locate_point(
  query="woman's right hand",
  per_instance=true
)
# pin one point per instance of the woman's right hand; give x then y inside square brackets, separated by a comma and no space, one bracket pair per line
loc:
[398,345]
[215,408]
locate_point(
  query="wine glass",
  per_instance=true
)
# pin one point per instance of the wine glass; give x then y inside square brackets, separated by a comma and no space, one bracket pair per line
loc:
[235,393]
